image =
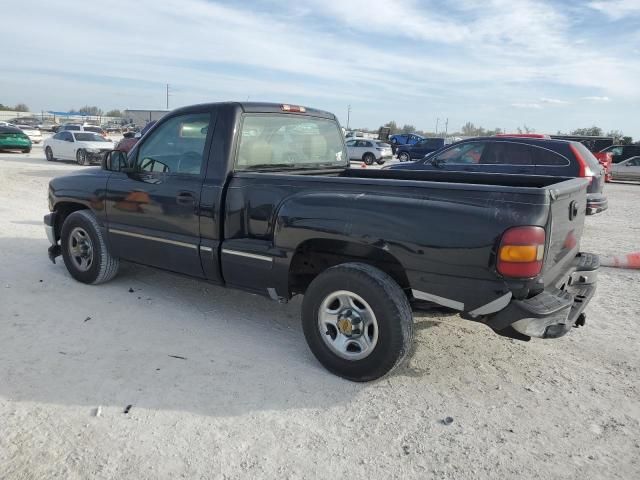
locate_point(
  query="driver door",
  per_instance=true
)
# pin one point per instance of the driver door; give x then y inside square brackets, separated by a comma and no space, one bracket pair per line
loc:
[153,210]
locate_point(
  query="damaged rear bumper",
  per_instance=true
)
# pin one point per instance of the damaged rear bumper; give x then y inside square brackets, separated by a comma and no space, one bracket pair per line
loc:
[552,312]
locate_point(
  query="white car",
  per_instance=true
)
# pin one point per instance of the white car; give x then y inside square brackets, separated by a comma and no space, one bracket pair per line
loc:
[33,133]
[83,147]
[628,169]
[369,151]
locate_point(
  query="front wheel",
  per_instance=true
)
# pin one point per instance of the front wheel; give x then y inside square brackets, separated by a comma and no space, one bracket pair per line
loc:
[85,251]
[26,150]
[49,154]
[81,157]
[357,321]
[404,157]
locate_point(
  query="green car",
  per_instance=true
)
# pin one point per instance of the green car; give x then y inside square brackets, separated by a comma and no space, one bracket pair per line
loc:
[12,138]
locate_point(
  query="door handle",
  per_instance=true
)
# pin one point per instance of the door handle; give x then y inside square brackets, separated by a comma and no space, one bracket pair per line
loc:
[185,198]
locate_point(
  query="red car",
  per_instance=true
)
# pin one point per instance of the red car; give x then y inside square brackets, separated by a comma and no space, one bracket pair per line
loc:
[606,160]
[128,142]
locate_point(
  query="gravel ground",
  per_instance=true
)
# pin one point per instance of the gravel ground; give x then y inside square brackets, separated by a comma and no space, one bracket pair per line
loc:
[221,384]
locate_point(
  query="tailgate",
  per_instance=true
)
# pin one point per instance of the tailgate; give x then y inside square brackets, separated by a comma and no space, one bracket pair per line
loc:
[564,228]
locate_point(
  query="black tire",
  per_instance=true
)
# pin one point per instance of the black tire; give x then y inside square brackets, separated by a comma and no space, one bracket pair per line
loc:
[49,154]
[26,150]
[390,307]
[380,162]
[81,157]
[103,266]
[368,158]
[404,157]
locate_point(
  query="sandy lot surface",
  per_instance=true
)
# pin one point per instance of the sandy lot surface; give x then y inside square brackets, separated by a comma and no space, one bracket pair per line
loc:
[222,384]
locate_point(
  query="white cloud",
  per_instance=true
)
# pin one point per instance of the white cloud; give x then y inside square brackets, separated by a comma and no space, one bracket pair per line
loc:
[596,99]
[532,106]
[553,101]
[617,9]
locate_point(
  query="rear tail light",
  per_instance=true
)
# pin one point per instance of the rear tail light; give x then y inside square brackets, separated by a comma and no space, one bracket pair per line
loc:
[521,252]
[585,170]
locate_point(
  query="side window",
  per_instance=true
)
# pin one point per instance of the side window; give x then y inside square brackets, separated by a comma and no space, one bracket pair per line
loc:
[634,162]
[616,151]
[543,156]
[368,144]
[176,146]
[351,143]
[466,153]
[67,136]
[58,136]
[507,153]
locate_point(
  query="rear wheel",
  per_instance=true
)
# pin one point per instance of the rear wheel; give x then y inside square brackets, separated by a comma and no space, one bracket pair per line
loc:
[357,321]
[404,157]
[26,150]
[380,162]
[368,158]
[85,251]
[81,157]
[49,154]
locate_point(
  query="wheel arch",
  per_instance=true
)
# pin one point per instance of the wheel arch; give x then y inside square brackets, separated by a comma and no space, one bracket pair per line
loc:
[314,255]
[63,209]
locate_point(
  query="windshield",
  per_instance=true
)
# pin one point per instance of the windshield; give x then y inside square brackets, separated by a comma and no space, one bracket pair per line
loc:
[289,141]
[88,137]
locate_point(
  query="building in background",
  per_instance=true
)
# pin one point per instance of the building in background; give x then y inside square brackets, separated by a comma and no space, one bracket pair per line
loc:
[142,117]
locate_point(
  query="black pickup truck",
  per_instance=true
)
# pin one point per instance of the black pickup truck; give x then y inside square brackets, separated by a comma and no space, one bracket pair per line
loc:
[259,197]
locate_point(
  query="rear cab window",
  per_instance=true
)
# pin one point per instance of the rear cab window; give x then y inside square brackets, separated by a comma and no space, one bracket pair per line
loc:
[284,141]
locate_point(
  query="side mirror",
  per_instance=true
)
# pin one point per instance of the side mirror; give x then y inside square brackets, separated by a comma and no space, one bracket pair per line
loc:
[114,161]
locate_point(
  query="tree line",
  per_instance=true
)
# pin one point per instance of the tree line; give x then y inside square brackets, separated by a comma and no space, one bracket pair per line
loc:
[86,110]
[470,130]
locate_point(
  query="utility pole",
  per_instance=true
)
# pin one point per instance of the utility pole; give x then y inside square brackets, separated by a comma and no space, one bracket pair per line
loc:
[348,115]
[446,127]
[437,122]
[167,96]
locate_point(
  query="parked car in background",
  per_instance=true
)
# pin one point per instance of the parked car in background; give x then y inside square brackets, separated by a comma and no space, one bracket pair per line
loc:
[33,133]
[83,147]
[48,126]
[619,153]
[128,141]
[628,169]
[369,151]
[419,149]
[403,139]
[72,127]
[522,156]
[6,124]
[12,138]
[31,121]
[130,138]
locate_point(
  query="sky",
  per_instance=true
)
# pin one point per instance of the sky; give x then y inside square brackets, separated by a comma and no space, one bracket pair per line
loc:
[550,65]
